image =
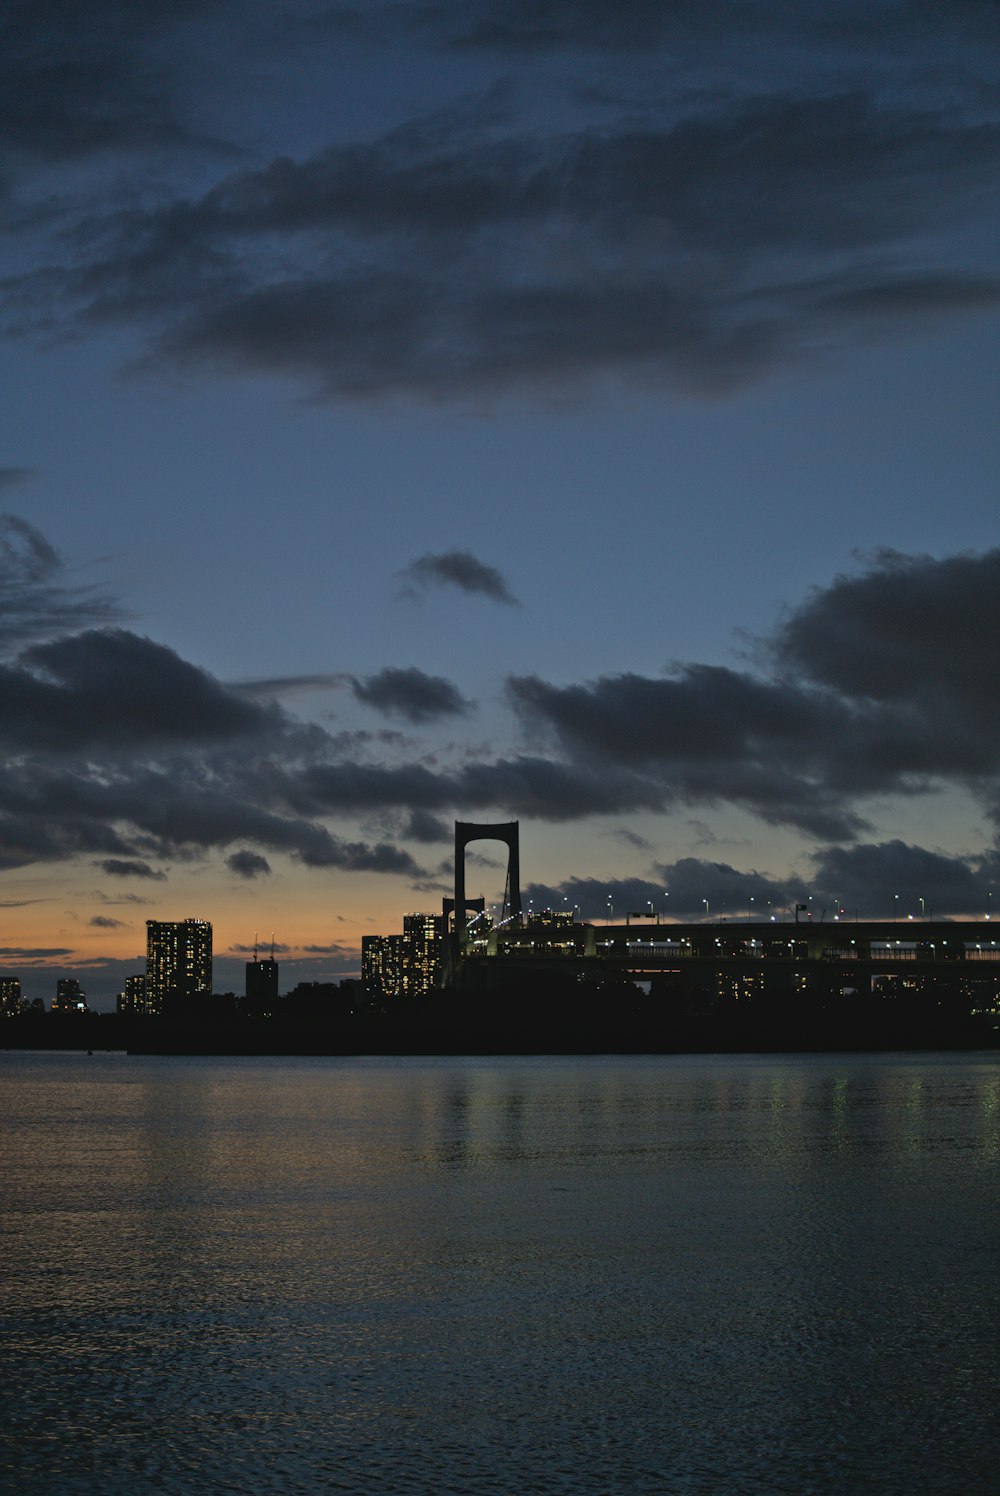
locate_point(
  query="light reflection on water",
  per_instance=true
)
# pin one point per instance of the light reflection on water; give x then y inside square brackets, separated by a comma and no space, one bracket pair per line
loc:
[750,1274]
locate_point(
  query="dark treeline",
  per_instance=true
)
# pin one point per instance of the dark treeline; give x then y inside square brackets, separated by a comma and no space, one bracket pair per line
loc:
[549,1016]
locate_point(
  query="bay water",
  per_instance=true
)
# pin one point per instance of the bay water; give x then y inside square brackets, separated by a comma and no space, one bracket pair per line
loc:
[603,1274]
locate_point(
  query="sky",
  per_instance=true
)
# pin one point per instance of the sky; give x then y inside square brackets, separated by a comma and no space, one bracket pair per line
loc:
[552,411]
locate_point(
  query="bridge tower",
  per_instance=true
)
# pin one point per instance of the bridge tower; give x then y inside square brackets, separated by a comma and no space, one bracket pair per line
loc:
[470,831]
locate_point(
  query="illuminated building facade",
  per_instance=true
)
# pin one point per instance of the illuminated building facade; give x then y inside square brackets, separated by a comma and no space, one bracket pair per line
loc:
[406,965]
[133,1000]
[70,997]
[382,965]
[423,951]
[178,960]
[10,997]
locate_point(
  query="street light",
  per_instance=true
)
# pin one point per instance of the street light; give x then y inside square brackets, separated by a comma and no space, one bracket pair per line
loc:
[895,906]
[749,908]
[705,902]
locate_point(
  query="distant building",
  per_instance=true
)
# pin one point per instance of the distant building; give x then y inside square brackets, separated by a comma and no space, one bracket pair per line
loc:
[132,1002]
[178,960]
[382,965]
[10,997]
[406,965]
[262,984]
[423,951]
[70,997]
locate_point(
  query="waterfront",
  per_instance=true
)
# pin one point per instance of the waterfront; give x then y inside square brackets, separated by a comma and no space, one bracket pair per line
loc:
[679,1273]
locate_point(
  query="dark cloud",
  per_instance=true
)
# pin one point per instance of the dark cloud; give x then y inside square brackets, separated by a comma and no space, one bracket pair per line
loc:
[412,695]
[524,27]
[248,864]
[35,601]
[688,889]
[890,880]
[906,628]
[797,186]
[79,80]
[189,807]
[278,687]
[421,826]
[105,922]
[32,953]
[542,788]
[458,569]
[117,867]
[880,684]
[11,477]
[710,735]
[894,880]
[112,688]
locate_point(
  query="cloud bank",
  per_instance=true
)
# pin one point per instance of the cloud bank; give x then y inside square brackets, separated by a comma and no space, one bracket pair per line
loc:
[693,238]
[880,685]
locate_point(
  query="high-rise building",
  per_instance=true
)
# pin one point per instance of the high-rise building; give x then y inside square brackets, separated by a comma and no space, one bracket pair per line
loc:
[382,965]
[178,960]
[262,984]
[70,997]
[422,952]
[406,965]
[10,997]
[133,1000]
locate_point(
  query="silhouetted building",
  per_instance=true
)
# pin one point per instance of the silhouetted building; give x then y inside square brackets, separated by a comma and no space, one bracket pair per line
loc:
[262,985]
[132,1002]
[178,960]
[10,997]
[70,997]
[382,965]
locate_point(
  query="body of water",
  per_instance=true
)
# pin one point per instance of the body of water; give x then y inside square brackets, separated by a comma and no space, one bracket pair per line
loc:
[679,1274]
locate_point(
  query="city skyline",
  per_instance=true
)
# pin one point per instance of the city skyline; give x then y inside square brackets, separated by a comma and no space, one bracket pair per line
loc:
[537,413]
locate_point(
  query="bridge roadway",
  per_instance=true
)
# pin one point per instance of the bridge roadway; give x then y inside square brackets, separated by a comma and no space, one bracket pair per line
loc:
[655,945]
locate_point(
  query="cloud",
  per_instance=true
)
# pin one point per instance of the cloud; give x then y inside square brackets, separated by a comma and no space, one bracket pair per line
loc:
[688,889]
[455,569]
[248,864]
[894,879]
[421,826]
[693,239]
[112,686]
[879,685]
[34,600]
[906,628]
[707,736]
[105,922]
[11,477]
[117,867]
[32,953]
[878,880]
[73,91]
[279,687]
[412,695]
[517,28]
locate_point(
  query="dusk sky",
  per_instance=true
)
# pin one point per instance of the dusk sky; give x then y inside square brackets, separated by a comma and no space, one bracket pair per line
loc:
[544,410]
